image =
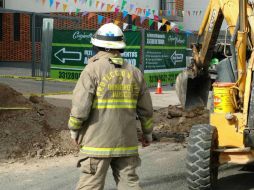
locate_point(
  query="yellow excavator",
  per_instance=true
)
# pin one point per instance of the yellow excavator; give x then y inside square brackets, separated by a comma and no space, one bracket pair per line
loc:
[229,136]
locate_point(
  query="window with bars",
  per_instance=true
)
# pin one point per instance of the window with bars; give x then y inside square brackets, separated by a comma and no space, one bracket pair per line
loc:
[168,5]
[171,5]
[1,3]
[38,28]
[16,24]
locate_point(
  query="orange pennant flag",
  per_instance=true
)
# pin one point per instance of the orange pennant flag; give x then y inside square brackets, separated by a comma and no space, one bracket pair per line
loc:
[91,15]
[133,17]
[43,2]
[164,21]
[168,28]
[75,1]
[109,7]
[65,7]
[97,4]
[117,22]
[173,12]
[139,10]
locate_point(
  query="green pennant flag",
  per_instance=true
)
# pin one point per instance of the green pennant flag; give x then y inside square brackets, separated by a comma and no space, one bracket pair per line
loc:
[90,3]
[77,11]
[150,22]
[180,27]
[124,2]
[134,28]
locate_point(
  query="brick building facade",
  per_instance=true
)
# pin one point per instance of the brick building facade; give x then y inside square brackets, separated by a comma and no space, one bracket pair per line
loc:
[180,5]
[10,49]
[15,31]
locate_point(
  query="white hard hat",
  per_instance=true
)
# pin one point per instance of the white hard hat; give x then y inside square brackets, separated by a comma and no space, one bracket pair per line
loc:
[109,36]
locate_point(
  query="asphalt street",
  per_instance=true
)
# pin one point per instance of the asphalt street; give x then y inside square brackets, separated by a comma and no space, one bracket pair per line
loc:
[163,168]
[28,86]
[163,165]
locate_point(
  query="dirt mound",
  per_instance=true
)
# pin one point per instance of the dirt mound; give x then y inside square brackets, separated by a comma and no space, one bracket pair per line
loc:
[41,131]
[174,124]
[11,98]
[38,132]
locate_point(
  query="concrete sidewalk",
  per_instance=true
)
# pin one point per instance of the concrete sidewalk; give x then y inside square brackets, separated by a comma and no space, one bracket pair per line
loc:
[168,97]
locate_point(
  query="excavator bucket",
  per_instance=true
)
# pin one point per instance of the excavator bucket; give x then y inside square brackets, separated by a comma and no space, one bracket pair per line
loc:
[192,92]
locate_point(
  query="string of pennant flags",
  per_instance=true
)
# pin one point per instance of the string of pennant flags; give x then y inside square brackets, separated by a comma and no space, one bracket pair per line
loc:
[193,12]
[151,15]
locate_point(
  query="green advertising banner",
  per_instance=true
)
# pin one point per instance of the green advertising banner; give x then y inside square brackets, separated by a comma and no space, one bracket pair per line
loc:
[71,50]
[165,56]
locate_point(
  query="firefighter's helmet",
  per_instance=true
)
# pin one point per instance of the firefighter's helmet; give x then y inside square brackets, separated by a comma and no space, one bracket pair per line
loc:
[109,36]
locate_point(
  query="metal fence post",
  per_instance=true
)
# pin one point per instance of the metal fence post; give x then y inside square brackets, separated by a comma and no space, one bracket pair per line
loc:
[142,65]
[47,37]
[33,45]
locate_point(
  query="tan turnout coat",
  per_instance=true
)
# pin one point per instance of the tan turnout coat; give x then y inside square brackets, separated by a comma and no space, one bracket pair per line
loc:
[106,100]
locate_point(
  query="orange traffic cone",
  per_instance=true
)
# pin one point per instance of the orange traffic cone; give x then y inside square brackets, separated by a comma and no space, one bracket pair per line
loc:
[159,88]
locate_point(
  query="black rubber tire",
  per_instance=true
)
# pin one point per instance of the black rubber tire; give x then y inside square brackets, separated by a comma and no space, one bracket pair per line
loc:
[202,161]
[251,107]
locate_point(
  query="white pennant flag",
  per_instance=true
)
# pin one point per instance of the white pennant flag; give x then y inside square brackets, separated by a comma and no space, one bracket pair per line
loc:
[125,25]
[159,25]
[156,12]
[173,25]
[71,9]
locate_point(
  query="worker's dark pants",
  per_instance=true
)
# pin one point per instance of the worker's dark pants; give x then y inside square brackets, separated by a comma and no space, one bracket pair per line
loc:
[94,171]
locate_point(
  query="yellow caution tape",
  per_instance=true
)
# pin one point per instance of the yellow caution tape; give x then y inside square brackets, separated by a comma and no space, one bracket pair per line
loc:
[48,94]
[36,78]
[15,108]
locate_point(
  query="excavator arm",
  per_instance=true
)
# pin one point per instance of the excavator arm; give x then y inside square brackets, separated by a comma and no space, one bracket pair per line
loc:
[192,85]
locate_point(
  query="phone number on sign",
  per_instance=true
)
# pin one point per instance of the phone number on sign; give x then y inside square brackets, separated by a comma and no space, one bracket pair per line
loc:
[68,75]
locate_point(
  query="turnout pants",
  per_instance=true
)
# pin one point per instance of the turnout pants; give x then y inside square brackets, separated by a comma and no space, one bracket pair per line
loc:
[94,171]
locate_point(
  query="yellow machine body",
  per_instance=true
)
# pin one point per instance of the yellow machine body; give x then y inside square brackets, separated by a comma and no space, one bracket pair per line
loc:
[230,132]
[229,136]
[230,127]
[230,124]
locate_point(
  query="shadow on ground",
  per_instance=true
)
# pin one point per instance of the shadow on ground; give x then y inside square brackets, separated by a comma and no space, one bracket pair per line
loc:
[243,181]
[162,180]
[240,181]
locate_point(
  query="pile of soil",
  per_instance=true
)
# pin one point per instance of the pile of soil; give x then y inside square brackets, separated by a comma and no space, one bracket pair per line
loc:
[40,131]
[174,124]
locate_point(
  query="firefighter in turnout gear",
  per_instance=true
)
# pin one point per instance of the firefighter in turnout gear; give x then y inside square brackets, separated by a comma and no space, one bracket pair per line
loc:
[106,100]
